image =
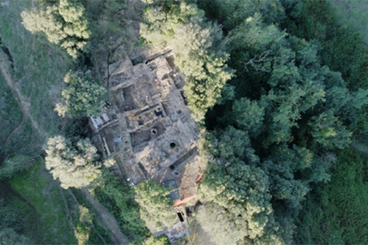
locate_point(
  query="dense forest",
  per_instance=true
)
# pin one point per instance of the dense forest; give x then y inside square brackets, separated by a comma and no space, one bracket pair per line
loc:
[279,89]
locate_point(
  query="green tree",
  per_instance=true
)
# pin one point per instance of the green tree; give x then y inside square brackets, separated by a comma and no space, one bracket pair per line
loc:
[198,48]
[248,115]
[9,237]
[161,240]
[15,164]
[295,111]
[45,21]
[119,198]
[224,227]
[82,95]
[329,131]
[63,23]
[241,193]
[11,225]
[232,145]
[73,164]
[155,205]
[10,217]
[232,13]
[335,213]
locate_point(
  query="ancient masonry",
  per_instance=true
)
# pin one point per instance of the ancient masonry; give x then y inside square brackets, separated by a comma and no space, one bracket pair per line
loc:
[148,130]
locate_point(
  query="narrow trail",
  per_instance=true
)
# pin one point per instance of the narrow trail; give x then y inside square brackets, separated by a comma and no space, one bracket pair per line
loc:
[24,106]
[5,52]
[5,186]
[4,155]
[92,225]
[107,218]
[24,103]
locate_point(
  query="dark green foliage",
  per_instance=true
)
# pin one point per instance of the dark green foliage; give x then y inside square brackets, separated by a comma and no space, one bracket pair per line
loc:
[155,205]
[11,225]
[10,217]
[248,115]
[284,75]
[336,213]
[343,49]
[10,114]
[63,23]
[14,165]
[77,128]
[232,13]
[74,164]
[83,96]
[288,112]
[119,199]
[161,240]
[9,236]
[333,213]
[198,48]
[232,145]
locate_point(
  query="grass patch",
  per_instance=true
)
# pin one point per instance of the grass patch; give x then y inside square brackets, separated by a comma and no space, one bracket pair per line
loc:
[25,140]
[37,187]
[27,215]
[117,197]
[39,65]
[10,113]
[88,228]
[39,70]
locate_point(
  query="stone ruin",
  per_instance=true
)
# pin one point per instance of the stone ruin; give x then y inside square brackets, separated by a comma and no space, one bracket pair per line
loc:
[148,130]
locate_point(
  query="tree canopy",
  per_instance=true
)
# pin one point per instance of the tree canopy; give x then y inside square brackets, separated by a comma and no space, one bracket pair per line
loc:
[74,164]
[82,95]
[288,113]
[63,23]
[155,205]
[119,196]
[198,48]
[11,225]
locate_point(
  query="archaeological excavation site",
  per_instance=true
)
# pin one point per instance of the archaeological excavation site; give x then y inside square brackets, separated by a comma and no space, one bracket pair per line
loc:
[148,130]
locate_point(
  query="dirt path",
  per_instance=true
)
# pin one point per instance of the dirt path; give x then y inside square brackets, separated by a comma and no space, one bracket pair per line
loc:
[4,155]
[93,227]
[24,103]
[108,220]
[22,120]
[24,106]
